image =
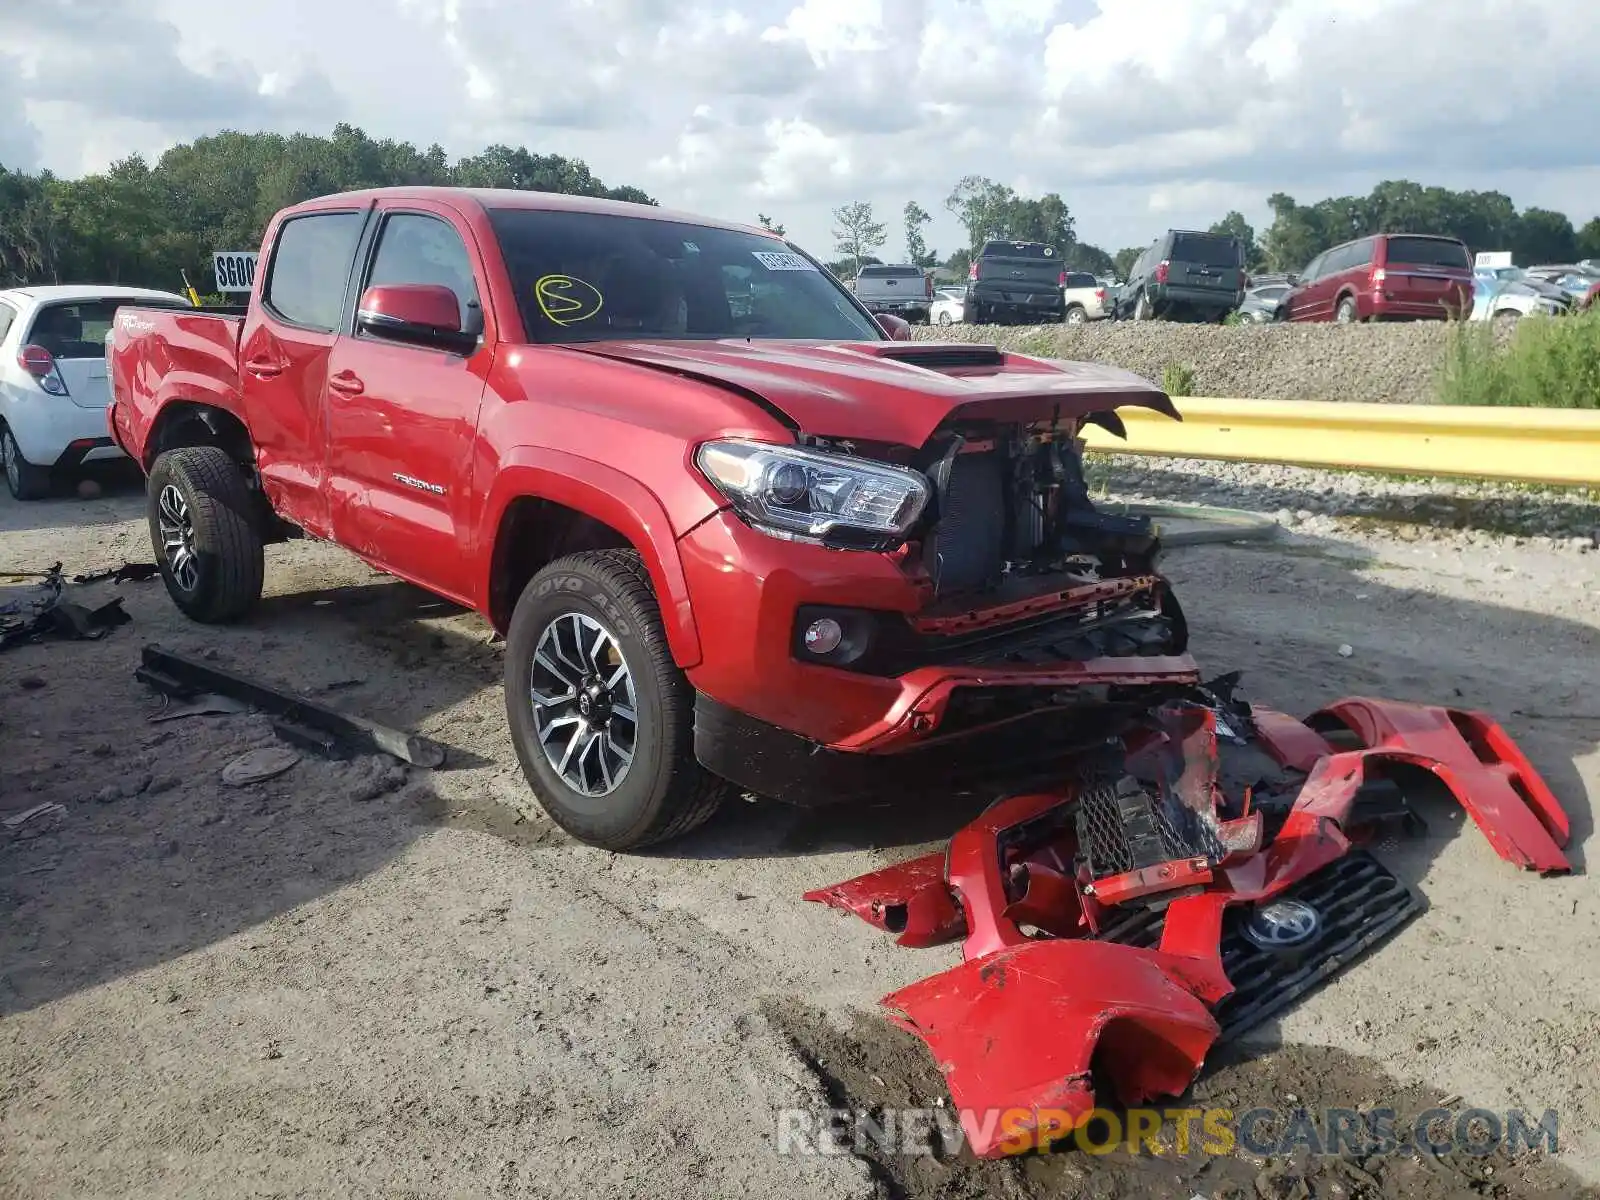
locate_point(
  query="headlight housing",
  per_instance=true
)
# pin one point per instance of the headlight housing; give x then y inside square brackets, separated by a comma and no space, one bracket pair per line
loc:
[804,494]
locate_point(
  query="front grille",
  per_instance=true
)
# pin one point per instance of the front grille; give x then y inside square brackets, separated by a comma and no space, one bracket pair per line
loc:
[1361,903]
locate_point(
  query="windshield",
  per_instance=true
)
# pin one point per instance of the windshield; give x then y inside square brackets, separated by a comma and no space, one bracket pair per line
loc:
[584,277]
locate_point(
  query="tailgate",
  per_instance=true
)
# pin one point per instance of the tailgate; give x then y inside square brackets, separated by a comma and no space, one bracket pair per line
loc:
[1425,270]
[1020,280]
[1205,261]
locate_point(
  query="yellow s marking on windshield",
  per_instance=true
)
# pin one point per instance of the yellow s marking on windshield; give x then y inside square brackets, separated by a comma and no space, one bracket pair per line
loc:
[565,300]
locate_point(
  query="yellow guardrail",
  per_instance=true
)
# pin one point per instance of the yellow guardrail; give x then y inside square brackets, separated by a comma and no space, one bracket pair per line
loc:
[1521,445]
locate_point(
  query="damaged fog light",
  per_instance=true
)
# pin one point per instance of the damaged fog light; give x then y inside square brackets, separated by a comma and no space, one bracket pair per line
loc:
[823,636]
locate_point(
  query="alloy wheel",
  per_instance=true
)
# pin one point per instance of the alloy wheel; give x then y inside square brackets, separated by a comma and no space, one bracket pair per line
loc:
[585,710]
[8,448]
[177,537]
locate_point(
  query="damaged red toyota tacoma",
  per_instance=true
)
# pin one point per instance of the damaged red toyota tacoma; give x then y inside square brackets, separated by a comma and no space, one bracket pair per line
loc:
[737,533]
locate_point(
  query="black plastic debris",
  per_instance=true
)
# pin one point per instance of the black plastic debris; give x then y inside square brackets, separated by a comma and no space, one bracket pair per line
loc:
[297,719]
[126,573]
[43,611]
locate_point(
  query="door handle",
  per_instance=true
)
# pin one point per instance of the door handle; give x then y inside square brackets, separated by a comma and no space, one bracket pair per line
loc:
[347,383]
[263,368]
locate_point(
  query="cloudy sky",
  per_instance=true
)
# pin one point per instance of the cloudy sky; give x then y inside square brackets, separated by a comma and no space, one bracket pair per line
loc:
[1142,113]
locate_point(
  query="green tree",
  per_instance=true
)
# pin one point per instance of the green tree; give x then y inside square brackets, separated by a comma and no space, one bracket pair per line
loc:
[1543,236]
[1589,239]
[147,224]
[1122,261]
[959,263]
[917,252]
[992,210]
[1096,261]
[770,225]
[1235,226]
[855,233]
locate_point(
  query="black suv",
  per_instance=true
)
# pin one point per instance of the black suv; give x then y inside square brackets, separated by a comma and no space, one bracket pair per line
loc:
[1014,282]
[1184,274]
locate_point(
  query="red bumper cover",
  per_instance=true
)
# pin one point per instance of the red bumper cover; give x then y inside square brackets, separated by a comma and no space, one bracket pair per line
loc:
[1142,913]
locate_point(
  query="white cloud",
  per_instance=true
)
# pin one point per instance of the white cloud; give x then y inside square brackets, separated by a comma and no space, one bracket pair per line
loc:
[1140,112]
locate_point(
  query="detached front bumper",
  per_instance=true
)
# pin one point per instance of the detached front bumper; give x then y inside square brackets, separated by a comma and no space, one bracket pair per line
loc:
[778,723]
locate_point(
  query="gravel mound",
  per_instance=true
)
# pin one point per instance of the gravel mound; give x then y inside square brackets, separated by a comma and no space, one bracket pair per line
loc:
[1390,364]
[1326,502]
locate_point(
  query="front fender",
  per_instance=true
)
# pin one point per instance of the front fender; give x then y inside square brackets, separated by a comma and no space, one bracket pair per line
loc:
[606,494]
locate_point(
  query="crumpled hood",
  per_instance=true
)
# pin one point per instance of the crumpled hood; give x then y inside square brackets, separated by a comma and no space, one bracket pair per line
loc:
[896,392]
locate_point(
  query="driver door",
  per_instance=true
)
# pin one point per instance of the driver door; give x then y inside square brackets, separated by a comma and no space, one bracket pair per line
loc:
[402,418]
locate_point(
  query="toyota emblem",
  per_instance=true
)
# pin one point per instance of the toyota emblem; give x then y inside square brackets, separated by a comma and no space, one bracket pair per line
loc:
[1283,925]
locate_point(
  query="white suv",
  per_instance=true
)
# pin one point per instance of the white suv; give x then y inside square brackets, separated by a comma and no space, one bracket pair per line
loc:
[53,385]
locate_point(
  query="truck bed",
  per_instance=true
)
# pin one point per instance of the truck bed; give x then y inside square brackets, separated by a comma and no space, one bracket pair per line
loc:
[153,354]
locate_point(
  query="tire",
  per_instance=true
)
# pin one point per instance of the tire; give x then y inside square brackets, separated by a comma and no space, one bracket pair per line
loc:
[661,791]
[1143,310]
[944,319]
[1507,316]
[1345,314]
[1076,315]
[215,573]
[26,480]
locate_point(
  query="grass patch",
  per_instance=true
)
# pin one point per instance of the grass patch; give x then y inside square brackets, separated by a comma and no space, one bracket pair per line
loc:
[1177,380]
[1550,362]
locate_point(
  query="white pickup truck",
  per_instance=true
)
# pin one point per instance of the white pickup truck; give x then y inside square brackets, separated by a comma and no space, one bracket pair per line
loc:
[906,291]
[1085,296]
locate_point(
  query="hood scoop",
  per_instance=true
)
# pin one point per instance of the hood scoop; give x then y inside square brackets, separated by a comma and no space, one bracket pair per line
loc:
[943,358]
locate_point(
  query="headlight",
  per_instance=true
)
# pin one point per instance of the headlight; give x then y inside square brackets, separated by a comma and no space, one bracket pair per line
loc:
[791,492]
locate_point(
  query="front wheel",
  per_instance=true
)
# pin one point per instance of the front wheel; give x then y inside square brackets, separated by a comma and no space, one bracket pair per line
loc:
[601,717]
[944,319]
[207,541]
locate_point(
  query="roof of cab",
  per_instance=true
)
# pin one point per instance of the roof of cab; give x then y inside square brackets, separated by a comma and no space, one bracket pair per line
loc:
[489,198]
[55,293]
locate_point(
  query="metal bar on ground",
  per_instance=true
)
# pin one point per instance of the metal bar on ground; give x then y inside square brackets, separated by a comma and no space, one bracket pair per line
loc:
[163,666]
[1519,445]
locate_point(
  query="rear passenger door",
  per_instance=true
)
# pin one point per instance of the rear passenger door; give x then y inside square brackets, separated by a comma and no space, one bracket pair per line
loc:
[402,417]
[1302,300]
[283,358]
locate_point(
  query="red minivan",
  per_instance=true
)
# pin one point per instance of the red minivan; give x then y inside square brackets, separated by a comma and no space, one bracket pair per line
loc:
[1388,276]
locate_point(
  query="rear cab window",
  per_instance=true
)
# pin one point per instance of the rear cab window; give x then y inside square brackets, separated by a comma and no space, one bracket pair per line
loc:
[1207,250]
[310,268]
[585,276]
[1078,279]
[77,329]
[1427,252]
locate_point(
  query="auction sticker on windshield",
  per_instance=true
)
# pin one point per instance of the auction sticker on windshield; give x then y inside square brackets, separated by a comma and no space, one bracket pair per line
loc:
[778,260]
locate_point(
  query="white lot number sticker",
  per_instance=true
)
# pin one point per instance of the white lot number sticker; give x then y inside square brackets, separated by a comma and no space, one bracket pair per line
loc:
[781,260]
[236,270]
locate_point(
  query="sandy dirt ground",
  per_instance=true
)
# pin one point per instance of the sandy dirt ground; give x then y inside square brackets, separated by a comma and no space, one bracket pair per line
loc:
[354,980]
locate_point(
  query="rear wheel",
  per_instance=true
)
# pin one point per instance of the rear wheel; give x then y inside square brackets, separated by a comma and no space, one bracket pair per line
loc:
[1143,310]
[944,318]
[601,717]
[1345,314]
[1076,315]
[203,526]
[27,481]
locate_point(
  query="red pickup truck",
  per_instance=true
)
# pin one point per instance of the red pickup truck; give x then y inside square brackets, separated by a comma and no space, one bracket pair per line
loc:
[736,531]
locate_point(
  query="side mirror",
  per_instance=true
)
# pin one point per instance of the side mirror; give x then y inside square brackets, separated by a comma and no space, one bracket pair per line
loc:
[418,314]
[898,329]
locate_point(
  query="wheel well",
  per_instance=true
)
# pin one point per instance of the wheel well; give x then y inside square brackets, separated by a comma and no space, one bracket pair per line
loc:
[533,532]
[1346,294]
[183,423]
